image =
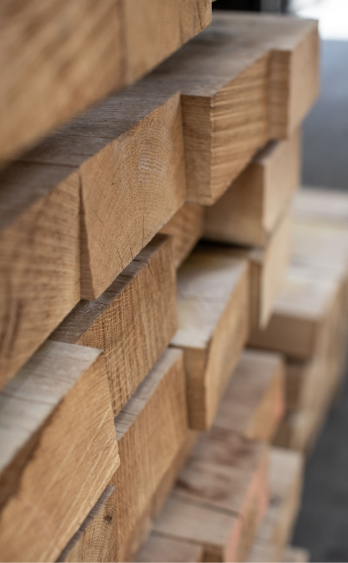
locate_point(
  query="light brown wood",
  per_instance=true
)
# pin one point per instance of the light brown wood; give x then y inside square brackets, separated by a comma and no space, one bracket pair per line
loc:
[250,209]
[58,449]
[213,318]
[132,322]
[151,430]
[268,270]
[129,154]
[327,206]
[160,549]
[186,228]
[94,49]
[245,80]
[39,258]
[253,402]
[220,496]
[296,555]
[285,478]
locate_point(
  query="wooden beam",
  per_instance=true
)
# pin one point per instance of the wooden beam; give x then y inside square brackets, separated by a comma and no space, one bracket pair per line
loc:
[58,449]
[151,429]
[245,80]
[220,496]
[113,41]
[160,549]
[285,479]
[129,155]
[250,209]
[213,311]
[253,402]
[132,322]
[186,228]
[326,206]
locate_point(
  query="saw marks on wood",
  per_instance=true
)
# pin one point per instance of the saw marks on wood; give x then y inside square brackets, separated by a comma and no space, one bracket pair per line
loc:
[213,317]
[253,402]
[245,80]
[129,155]
[250,209]
[186,228]
[58,449]
[151,429]
[93,49]
[132,322]
[220,496]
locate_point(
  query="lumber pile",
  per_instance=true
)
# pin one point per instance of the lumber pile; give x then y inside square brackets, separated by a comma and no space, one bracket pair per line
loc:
[146,197]
[309,323]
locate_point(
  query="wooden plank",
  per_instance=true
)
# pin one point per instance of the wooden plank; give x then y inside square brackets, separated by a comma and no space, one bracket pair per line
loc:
[58,449]
[250,209]
[132,322]
[213,318]
[39,258]
[151,429]
[186,228]
[129,155]
[253,402]
[245,80]
[296,555]
[94,49]
[220,496]
[268,269]
[324,205]
[285,490]
[159,548]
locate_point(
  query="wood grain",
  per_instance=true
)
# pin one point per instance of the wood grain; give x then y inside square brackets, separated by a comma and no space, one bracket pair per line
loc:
[151,429]
[220,496]
[213,318]
[132,322]
[250,209]
[186,228]
[240,81]
[129,154]
[58,449]
[253,402]
[161,549]
[93,49]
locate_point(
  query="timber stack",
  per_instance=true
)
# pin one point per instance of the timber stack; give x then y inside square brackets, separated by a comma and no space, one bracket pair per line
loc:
[162,315]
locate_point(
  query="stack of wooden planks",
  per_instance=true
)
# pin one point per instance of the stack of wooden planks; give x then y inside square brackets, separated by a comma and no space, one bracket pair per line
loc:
[145,240]
[309,322]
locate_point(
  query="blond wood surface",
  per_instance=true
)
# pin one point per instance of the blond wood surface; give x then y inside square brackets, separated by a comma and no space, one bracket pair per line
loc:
[322,205]
[159,548]
[129,154]
[132,322]
[58,449]
[220,496]
[253,402]
[213,318]
[285,482]
[249,210]
[246,79]
[151,430]
[186,228]
[94,48]
[296,555]
[39,258]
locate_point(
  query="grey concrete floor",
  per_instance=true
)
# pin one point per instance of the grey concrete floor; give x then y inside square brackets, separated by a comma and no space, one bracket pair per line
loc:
[322,525]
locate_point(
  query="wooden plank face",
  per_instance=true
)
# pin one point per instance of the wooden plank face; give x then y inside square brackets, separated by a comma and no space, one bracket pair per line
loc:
[159,548]
[151,429]
[134,39]
[249,210]
[220,496]
[58,449]
[39,258]
[213,301]
[186,228]
[238,81]
[132,322]
[253,402]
